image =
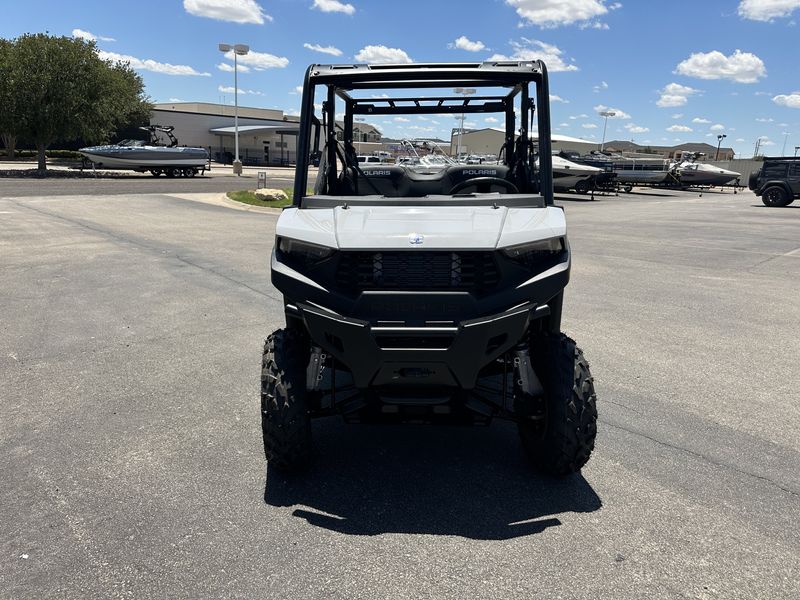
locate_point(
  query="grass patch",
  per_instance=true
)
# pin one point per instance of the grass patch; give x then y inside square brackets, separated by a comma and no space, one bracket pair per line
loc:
[248,197]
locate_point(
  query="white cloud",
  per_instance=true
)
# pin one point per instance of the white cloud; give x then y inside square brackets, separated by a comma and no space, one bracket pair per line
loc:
[675,94]
[789,100]
[401,120]
[228,68]
[740,140]
[150,65]
[765,141]
[260,61]
[742,67]
[677,128]
[563,124]
[332,50]
[767,10]
[229,89]
[600,87]
[382,54]
[554,13]
[235,11]
[677,116]
[528,49]
[636,128]
[589,126]
[700,121]
[491,120]
[334,6]
[765,120]
[618,114]
[88,35]
[175,100]
[717,127]
[464,43]
[297,90]
[581,116]
[554,98]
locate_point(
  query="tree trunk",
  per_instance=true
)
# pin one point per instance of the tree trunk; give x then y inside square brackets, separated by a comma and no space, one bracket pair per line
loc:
[42,158]
[10,143]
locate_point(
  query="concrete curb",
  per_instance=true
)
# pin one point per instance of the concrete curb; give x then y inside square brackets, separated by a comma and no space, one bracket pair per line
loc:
[222,199]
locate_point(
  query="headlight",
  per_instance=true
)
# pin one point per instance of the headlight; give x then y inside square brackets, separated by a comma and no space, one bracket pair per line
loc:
[535,253]
[303,254]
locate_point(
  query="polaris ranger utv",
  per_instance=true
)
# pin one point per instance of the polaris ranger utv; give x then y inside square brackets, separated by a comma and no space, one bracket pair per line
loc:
[425,293]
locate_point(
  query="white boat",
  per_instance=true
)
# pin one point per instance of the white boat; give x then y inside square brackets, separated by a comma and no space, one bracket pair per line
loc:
[642,171]
[139,155]
[692,173]
[567,174]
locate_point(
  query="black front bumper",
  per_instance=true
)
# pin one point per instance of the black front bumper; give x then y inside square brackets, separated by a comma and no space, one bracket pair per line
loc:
[432,355]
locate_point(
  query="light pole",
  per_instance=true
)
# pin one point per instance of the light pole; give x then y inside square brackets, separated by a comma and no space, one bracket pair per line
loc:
[785,137]
[464,92]
[796,148]
[720,137]
[360,133]
[605,114]
[238,50]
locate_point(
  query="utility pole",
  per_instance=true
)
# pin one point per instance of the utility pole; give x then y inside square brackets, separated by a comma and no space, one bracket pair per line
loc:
[605,114]
[464,92]
[785,137]
[720,137]
[238,50]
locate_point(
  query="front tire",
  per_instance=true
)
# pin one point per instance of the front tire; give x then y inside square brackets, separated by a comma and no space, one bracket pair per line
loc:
[285,420]
[775,196]
[563,441]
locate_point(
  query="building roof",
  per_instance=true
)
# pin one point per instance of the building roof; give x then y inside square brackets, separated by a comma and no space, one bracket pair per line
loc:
[628,146]
[291,127]
[209,108]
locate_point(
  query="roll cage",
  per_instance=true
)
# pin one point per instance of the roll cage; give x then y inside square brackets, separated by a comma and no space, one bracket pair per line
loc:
[518,152]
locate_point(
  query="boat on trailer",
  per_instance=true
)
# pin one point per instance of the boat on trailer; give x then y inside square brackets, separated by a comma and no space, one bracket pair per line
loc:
[697,174]
[153,156]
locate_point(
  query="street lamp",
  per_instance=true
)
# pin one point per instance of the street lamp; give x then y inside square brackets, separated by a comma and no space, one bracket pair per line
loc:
[464,92]
[605,114]
[785,137]
[238,50]
[796,148]
[720,137]
[360,133]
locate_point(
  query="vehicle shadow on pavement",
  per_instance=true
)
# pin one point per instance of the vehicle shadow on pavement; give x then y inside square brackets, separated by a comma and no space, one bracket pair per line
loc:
[462,481]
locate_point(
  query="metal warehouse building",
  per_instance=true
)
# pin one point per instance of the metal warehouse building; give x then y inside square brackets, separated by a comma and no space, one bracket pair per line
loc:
[266,136]
[490,139]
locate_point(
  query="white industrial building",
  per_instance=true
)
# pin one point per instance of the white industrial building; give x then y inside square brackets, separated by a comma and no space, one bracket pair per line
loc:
[266,136]
[490,139]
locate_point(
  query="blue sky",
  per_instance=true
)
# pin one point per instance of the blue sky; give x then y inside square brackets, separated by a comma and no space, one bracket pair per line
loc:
[673,71]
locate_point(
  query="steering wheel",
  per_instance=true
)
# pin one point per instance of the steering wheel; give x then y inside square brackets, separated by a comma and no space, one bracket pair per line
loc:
[484,182]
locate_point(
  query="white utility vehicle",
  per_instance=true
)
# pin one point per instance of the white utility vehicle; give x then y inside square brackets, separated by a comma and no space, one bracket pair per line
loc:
[425,295]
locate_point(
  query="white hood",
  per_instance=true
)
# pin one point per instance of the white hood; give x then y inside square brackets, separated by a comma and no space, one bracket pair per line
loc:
[419,227]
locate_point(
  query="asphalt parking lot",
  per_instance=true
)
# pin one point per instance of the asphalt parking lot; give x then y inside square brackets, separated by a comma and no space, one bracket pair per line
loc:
[130,336]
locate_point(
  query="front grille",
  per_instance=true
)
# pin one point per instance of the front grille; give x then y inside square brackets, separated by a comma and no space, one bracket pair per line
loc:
[475,272]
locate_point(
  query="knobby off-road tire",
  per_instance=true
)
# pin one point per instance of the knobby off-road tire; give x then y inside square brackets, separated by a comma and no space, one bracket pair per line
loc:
[775,196]
[564,442]
[285,422]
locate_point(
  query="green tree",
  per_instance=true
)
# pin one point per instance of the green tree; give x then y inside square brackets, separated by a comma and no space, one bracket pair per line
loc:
[64,91]
[9,117]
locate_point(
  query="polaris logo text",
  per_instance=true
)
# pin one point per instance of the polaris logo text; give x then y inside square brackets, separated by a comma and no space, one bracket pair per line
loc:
[377,173]
[489,172]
